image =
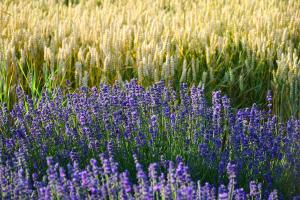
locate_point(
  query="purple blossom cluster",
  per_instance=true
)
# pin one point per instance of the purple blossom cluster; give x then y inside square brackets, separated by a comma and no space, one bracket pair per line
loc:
[104,181]
[145,127]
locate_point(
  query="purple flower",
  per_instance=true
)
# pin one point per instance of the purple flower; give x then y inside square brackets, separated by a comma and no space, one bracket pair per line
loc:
[273,195]
[223,193]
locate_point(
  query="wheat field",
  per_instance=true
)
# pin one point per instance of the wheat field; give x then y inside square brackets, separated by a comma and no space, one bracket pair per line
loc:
[243,48]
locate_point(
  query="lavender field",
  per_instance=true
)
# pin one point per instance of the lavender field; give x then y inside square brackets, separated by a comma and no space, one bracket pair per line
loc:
[149,99]
[128,142]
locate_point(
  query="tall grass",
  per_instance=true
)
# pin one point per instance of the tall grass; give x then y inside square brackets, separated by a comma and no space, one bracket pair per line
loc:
[241,47]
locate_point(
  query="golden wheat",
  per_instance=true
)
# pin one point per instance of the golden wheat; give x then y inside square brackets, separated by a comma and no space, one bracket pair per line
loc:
[195,41]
